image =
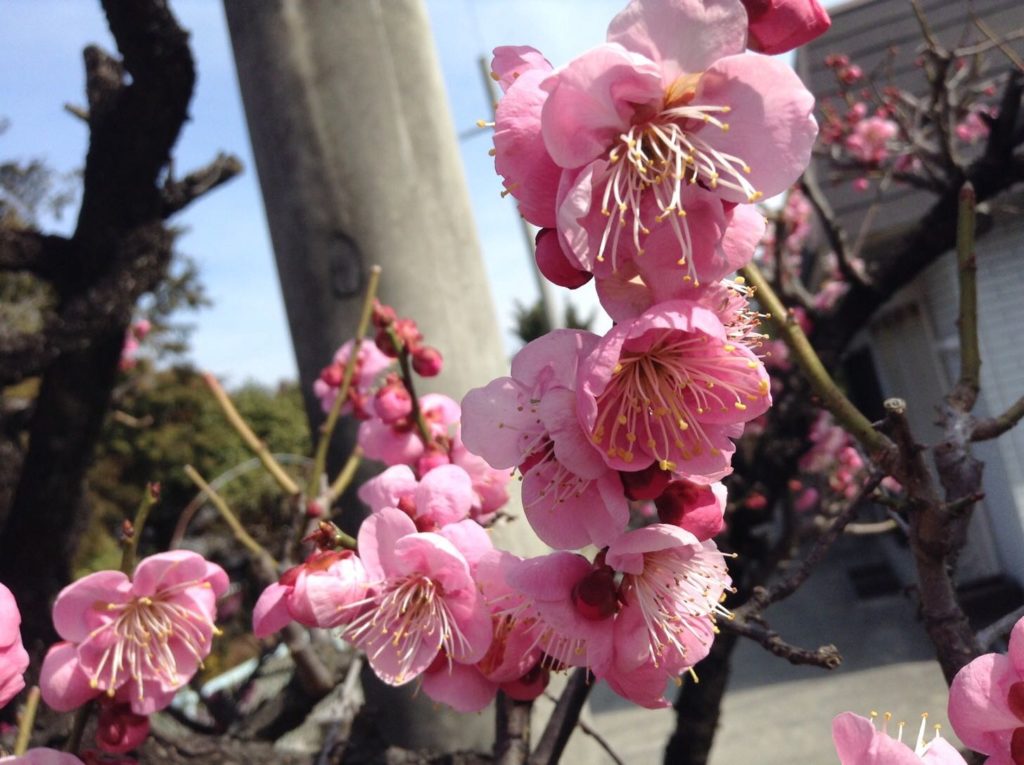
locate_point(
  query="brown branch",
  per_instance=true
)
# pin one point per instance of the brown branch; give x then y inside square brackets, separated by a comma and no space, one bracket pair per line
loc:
[993,427]
[1000,43]
[511,730]
[965,392]
[834,231]
[22,250]
[563,719]
[907,254]
[179,194]
[826,656]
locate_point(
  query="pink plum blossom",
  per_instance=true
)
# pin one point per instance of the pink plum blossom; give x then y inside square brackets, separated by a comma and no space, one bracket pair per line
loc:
[859,742]
[672,585]
[334,578]
[666,115]
[986,703]
[13,657]
[565,604]
[777,26]
[137,640]
[973,127]
[42,756]
[399,442]
[871,139]
[444,495]
[669,388]
[528,420]
[370,362]
[423,600]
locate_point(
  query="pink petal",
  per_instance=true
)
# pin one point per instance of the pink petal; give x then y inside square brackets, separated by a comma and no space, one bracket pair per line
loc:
[445,495]
[10,618]
[460,686]
[270,613]
[626,553]
[435,556]
[63,684]
[497,423]
[683,36]
[778,26]
[386,489]
[470,539]
[978,708]
[593,99]
[165,570]
[568,512]
[1016,650]
[520,155]
[378,535]
[382,443]
[771,122]
[552,359]
[572,447]
[512,61]
[555,264]
[81,606]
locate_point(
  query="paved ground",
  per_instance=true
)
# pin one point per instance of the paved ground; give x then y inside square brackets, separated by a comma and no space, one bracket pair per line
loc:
[777,714]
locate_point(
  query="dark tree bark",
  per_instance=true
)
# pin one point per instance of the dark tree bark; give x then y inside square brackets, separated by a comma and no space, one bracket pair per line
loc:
[120,249]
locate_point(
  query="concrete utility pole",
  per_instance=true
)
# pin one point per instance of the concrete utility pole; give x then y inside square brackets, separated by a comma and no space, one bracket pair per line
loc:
[358,163]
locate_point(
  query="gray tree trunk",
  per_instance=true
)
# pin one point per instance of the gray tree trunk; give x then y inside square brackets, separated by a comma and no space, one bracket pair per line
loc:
[358,163]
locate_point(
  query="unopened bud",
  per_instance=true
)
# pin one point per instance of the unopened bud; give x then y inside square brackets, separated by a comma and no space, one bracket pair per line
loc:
[426,361]
[648,483]
[392,402]
[332,375]
[383,315]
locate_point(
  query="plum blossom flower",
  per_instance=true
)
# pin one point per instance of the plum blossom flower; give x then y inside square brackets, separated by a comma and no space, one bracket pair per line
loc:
[528,420]
[986,703]
[423,600]
[859,742]
[137,640]
[635,131]
[326,576]
[671,589]
[490,485]
[668,387]
[443,496]
[13,657]
[370,362]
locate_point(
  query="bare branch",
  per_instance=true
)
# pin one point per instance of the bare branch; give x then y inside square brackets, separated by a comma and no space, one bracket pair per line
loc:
[23,250]
[1000,42]
[179,194]
[826,656]
[834,231]
[511,730]
[966,389]
[999,628]
[563,719]
[993,427]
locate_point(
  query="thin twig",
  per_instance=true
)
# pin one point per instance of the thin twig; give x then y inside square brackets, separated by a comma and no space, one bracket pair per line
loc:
[1009,52]
[26,720]
[826,656]
[327,429]
[348,472]
[993,427]
[251,440]
[231,519]
[511,730]
[131,541]
[832,398]
[967,386]
[589,730]
[834,231]
[999,627]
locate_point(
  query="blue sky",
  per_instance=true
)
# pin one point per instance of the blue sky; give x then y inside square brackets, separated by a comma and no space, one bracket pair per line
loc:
[244,335]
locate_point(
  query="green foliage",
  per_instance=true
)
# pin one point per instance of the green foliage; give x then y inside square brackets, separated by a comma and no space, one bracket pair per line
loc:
[168,419]
[531,322]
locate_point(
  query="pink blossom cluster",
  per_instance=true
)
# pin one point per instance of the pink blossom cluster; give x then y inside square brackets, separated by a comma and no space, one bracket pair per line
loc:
[640,161]
[859,742]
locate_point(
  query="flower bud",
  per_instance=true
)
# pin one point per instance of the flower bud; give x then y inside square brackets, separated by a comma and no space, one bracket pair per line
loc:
[426,361]
[392,401]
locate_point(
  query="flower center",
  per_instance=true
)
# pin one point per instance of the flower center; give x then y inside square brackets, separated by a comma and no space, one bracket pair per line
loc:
[144,639]
[678,589]
[411,616]
[659,157]
[655,397]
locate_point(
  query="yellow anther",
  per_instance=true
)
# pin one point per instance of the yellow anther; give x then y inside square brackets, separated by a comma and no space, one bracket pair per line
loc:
[740,406]
[621,419]
[667,465]
[725,127]
[728,347]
